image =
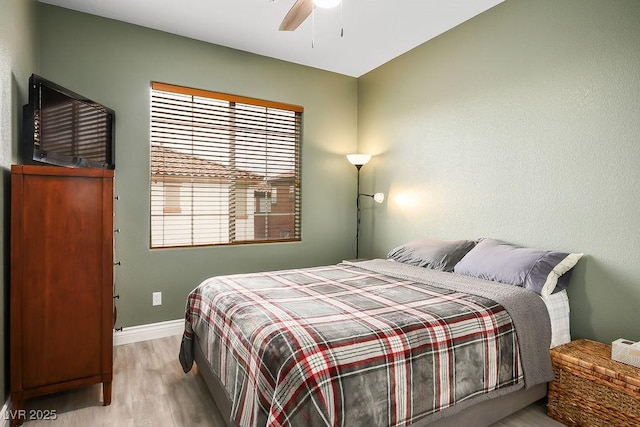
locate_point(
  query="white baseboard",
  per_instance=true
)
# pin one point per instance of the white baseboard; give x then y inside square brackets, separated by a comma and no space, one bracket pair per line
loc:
[148,332]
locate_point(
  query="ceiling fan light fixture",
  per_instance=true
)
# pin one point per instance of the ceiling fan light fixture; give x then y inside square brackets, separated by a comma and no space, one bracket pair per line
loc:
[326,3]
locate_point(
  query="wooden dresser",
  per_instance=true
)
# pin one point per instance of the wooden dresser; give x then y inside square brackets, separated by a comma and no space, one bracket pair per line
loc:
[590,389]
[61,313]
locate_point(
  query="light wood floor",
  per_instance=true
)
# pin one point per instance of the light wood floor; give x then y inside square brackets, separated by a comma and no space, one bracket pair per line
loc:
[150,389]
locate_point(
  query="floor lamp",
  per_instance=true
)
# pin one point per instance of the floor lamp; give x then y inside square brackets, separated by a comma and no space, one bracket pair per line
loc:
[359,160]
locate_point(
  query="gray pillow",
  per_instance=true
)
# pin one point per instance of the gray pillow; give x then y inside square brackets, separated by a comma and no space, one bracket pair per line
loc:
[533,269]
[433,254]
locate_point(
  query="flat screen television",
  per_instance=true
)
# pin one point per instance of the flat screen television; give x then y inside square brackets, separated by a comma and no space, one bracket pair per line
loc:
[66,129]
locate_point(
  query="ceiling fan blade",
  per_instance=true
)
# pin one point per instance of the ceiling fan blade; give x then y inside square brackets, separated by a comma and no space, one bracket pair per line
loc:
[296,15]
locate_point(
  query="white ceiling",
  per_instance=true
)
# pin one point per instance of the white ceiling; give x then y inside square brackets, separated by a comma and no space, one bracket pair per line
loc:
[375,31]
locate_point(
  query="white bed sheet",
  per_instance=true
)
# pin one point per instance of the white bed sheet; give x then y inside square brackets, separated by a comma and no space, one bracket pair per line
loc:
[558,306]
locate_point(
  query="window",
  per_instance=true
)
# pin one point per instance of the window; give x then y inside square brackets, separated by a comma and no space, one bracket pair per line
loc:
[171,197]
[217,162]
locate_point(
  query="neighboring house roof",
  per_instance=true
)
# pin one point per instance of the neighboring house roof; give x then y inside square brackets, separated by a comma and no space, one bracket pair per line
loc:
[171,163]
[287,176]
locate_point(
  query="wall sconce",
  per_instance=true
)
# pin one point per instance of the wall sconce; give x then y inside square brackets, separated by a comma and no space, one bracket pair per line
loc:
[378,197]
[359,160]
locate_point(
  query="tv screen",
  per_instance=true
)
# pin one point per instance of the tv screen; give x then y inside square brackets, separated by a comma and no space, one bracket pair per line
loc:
[67,129]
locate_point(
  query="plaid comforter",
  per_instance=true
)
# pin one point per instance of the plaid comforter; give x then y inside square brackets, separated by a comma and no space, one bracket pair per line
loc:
[344,346]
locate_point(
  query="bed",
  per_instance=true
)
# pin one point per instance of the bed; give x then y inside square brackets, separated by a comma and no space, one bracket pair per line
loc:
[377,343]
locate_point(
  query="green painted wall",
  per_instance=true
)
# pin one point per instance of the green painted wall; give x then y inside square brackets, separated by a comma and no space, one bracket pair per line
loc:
[113,63]
[17,61]
[521,124]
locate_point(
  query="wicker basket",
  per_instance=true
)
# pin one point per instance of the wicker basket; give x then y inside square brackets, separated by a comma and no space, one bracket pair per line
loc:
[590,389]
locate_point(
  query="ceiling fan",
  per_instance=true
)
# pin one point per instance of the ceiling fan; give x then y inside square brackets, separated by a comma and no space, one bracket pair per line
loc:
[301,10]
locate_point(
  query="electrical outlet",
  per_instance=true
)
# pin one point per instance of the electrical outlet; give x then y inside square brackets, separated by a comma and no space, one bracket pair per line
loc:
[157,298]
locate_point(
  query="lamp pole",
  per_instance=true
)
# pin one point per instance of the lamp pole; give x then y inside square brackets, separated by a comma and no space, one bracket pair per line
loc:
[358,160]
[358,212]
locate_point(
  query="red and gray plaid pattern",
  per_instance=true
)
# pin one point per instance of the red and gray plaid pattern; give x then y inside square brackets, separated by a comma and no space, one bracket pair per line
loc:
[341,346]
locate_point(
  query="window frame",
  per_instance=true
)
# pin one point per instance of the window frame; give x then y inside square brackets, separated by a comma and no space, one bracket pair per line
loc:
[294,176]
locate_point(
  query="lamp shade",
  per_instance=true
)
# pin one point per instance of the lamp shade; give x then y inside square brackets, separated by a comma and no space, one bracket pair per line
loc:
[326,3]
[358,159]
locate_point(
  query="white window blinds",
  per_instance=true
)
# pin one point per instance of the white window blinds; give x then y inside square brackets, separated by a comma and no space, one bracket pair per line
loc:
[225,169]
